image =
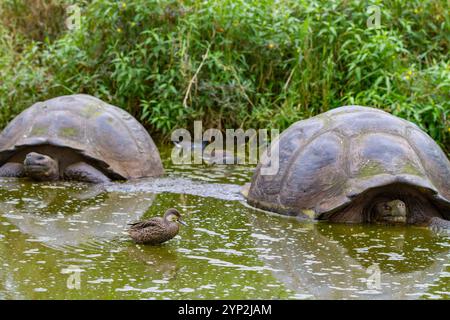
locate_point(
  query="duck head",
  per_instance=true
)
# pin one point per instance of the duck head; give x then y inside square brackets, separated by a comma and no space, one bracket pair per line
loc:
[173,215]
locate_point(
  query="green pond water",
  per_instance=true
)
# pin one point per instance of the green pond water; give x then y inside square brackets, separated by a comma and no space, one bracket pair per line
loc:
[61,241]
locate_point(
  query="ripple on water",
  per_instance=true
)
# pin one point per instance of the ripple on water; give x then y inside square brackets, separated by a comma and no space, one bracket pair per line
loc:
[178,185]
[229,250]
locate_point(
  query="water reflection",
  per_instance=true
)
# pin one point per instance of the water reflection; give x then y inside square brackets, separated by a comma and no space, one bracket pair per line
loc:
[229,251]
[326,261]
[51,212]
[156,259]
[231,174]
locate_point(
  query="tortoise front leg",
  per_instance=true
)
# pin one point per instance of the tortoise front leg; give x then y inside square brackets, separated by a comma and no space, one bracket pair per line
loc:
[439,225]
[12,169]
[84,172]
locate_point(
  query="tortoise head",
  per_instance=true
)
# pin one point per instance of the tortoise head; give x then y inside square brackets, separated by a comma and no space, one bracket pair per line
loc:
[391,212]
[41,167]
[173,215]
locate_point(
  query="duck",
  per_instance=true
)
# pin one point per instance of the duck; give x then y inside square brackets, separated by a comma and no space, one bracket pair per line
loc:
[156,230]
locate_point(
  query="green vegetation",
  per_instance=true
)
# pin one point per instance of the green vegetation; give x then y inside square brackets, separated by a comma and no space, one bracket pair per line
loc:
[232,63]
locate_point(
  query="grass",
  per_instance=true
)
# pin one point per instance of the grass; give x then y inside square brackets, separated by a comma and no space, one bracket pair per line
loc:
[233,64]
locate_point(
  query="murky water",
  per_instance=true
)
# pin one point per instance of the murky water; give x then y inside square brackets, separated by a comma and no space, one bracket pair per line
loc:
[59,240]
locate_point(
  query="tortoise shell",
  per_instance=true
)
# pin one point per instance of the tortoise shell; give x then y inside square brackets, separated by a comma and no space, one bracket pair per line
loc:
[327,161]
[103,133]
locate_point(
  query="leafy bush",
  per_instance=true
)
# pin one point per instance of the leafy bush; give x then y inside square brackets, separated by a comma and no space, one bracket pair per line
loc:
[236,63]
[34,19]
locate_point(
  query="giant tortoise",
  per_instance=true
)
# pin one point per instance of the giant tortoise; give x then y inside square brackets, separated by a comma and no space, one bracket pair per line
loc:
[77,137]
[356,164]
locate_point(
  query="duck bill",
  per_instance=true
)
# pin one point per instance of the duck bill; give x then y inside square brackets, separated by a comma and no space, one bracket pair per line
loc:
[182,222]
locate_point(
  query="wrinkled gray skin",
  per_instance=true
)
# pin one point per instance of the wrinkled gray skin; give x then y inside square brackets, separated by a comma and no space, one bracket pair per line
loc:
[391,212]
[439,225]
[395,212]
[41,167]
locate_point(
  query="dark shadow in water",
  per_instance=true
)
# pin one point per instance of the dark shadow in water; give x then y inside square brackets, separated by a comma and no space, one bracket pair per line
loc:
[157,259]
[332,261]
[51,213]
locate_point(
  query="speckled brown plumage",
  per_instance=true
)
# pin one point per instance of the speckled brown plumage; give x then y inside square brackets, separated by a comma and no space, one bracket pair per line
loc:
[156,230]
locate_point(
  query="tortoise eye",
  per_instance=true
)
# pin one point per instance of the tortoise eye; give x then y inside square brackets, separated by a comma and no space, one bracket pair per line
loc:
[387,208]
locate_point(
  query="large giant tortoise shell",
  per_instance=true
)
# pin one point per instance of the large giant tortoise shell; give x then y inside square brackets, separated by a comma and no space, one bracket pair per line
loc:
[103,133]
[327,161]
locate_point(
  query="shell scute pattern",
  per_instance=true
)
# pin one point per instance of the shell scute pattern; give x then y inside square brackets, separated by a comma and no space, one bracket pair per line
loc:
[330,159]
[94,128]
